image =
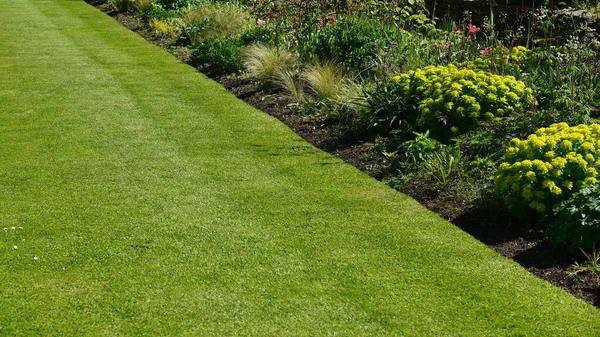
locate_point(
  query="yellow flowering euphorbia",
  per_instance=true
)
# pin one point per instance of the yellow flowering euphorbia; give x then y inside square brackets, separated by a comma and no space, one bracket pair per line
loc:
[501,59]
[550,165]
[451,98]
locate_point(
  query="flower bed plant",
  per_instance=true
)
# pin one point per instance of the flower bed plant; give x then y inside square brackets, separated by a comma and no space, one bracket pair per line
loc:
[577,220]
[549,166]
[449,100]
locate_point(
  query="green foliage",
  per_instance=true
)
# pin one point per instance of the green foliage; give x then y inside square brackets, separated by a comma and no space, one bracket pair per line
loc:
[143,5]
[502,60]
[290,21]
[259,34]
[401,13]
[591,264]
[287,79]
[450,100]
[415,151]
[122,6]
[549,166]
[382,111]
[353,41]
[324,79]
[428,158]
[174,5]
[217,56]
[163,28]
[155,12]
[213,21]
[577,220]
[566,80]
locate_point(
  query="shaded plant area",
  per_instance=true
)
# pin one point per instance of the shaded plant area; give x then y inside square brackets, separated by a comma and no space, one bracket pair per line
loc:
[494,130]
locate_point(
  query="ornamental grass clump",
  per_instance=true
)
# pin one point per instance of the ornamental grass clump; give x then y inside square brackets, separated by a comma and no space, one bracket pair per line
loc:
[451,100]
[266,64]
[549,166]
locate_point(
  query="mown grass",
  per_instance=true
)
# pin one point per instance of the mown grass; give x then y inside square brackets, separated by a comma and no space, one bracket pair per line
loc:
[158,204]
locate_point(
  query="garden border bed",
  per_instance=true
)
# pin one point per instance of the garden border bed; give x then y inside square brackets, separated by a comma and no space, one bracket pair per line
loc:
[486,222]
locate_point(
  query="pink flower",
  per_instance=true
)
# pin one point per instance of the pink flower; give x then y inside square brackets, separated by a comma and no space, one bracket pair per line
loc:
[468,38]
[485,51]
[260,22]
[473,29]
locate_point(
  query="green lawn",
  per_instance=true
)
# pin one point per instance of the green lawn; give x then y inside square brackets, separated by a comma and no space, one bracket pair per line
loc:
[158,204]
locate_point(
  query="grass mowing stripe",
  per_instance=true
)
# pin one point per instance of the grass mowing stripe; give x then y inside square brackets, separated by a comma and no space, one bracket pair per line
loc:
[158,204]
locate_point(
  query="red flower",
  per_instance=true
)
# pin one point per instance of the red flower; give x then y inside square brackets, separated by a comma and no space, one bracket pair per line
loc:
[294,18]
[331,21]
[270,16]
[473,29]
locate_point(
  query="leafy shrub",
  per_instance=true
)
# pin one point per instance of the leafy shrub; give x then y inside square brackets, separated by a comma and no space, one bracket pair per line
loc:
[291,21]
[194,32]
[218,56]
[437,161]
[352,41]
[382,112]
[549,166]
[259,34]
[450,100]
[577,220]
[155,12]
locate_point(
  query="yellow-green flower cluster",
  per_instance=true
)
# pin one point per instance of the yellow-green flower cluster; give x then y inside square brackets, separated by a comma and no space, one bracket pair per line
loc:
[503,59]
[456,99]
[550,165]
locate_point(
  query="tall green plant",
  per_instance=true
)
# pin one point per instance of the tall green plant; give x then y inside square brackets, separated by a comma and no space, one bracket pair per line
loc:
[353,41]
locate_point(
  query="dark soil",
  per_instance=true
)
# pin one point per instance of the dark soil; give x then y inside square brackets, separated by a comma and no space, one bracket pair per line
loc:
[485,220]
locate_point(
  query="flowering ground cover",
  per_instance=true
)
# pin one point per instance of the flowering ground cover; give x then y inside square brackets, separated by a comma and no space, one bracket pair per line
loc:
[147,200]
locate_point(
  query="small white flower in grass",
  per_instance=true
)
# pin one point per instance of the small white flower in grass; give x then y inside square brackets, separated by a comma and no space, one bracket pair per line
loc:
[35,258]
[20,227]
[13,228]
[15,247]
